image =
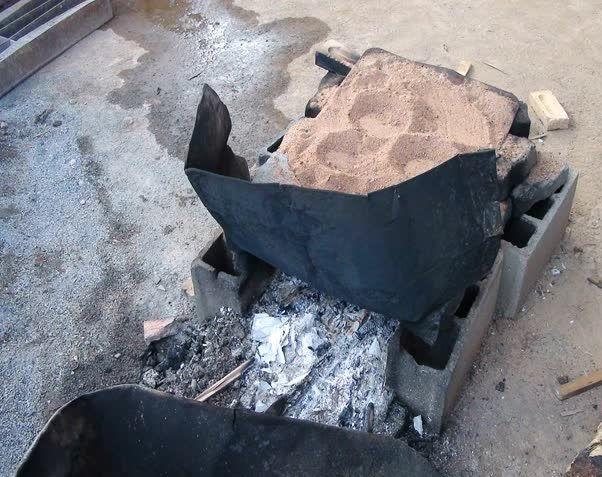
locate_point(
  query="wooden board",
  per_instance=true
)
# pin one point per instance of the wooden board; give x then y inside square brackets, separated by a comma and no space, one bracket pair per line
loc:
[579,385]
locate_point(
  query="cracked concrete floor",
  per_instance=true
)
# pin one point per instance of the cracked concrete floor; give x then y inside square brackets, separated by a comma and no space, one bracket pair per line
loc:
[99,224]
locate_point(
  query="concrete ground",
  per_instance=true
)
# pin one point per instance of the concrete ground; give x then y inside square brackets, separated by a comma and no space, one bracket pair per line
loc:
[99,224]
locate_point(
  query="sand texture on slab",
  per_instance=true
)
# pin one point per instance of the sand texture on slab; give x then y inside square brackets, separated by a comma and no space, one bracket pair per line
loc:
[392,119]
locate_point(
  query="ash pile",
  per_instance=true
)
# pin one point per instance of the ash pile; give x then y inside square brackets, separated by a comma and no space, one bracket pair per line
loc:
[314,358]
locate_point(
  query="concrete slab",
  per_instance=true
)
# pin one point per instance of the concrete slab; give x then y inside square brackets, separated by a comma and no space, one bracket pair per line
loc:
[529,242]
[432,391]
[34,49]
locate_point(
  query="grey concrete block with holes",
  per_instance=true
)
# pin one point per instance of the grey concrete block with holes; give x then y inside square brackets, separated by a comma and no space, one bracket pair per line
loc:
[528,244]
[219,282]
[428,379]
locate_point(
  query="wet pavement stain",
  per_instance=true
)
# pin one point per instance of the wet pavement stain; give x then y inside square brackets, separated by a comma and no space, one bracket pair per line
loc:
[243,60]
[173,15]
[85,145]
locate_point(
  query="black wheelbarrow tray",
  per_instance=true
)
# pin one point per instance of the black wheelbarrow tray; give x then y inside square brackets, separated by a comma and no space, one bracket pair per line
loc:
[132,431]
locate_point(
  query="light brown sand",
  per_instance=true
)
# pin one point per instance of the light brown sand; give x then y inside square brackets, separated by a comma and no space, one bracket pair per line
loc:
[512,149]
[548,168]
[392,119]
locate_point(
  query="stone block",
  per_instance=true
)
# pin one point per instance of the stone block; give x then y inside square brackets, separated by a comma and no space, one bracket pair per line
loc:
[549,111]
[463,67]
[528,243]
[224,278]
[428,379]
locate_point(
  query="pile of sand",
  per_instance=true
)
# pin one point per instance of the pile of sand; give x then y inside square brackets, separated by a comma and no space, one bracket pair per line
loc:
[392,119]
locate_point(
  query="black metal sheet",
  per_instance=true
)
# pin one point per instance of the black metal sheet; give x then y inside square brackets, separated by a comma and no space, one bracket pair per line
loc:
[133,431]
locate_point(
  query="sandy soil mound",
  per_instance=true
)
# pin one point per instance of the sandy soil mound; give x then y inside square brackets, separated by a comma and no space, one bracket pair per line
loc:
[392,119]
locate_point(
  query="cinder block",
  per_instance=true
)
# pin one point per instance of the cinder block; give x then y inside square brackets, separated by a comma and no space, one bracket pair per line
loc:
[223,278]
[547,108]
[528,243]
[429,379]
[30,50]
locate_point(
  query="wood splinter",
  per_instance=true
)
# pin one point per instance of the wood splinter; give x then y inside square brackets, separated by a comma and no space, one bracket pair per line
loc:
[224,382]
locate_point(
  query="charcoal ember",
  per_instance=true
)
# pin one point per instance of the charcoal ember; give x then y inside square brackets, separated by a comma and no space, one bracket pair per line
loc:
[172,351]
[393,423]
[548,175]
[346,416]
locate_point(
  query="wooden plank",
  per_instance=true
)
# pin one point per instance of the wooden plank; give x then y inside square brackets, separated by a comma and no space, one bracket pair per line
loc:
[579,385]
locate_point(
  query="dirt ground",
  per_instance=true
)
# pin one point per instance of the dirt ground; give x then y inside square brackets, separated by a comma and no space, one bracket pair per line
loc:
[99,224]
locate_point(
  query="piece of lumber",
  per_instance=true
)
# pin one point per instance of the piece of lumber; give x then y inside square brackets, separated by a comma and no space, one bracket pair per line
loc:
[464,67]
[547,108]
[579,385]
[224,382]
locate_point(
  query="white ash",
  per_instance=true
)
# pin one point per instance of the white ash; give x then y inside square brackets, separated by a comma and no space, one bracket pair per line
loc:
[327,357]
